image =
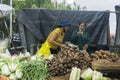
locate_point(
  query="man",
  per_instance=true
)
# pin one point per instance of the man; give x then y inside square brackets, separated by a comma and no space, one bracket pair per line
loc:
[80,37]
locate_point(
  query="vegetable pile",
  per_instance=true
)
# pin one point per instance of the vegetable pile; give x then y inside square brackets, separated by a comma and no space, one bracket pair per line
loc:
[10,67]
[35,70]
[23,67]
[102,54]
[67,58]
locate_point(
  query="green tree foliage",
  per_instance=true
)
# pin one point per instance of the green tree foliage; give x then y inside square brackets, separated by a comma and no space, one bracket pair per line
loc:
[6,1]
[32,4]
[76,6]
[19,4]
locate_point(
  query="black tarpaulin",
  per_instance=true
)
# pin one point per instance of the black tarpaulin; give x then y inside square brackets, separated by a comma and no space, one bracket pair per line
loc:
[117,39]
[36,24]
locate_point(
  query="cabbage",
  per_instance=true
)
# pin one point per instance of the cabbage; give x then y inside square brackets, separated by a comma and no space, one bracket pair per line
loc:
[12,66]
[38,57]
[2,63]
[27,54]
[5,70]
[5,56]
[2,49]
[21,55]
[14,57]
[34,57]
[19,73]
[24,57]
[13,76]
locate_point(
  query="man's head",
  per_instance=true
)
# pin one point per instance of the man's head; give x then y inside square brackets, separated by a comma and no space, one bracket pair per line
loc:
[82,25]
[65,24]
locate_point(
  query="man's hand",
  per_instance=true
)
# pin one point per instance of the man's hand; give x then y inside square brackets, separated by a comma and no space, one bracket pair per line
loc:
[85,47]
[62,45]
[79,33]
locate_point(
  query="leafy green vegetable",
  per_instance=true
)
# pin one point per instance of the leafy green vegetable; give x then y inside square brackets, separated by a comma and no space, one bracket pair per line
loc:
[13,76]
[12,66]
[35,70]
[19,73]
[5,70]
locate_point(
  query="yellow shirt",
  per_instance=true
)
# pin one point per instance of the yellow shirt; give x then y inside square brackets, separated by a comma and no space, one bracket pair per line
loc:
[59,32]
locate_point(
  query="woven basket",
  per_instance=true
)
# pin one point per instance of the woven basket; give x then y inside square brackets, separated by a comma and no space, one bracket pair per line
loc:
[105,65]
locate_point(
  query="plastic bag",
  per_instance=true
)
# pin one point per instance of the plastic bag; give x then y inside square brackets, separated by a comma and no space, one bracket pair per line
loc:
[75,74]
[87,75]
[44,50]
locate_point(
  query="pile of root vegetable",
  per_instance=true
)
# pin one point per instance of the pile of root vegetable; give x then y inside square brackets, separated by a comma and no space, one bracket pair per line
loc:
[104,54]
[67,58]
[71,56]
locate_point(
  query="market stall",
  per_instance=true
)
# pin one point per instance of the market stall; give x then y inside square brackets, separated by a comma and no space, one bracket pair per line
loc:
[69,64]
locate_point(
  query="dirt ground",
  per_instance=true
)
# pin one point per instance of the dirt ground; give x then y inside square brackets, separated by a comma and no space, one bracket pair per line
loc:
[66,77]
[111,75]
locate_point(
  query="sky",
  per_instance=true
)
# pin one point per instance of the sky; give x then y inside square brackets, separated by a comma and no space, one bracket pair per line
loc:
[100,5]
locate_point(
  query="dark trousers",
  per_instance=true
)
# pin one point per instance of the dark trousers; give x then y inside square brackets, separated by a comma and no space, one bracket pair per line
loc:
[53,51]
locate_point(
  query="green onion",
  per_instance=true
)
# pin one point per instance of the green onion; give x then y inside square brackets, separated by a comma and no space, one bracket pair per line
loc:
[35,70]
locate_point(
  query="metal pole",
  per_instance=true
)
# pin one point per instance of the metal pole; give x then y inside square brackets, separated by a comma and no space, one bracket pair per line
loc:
[113,11]
[11,20]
